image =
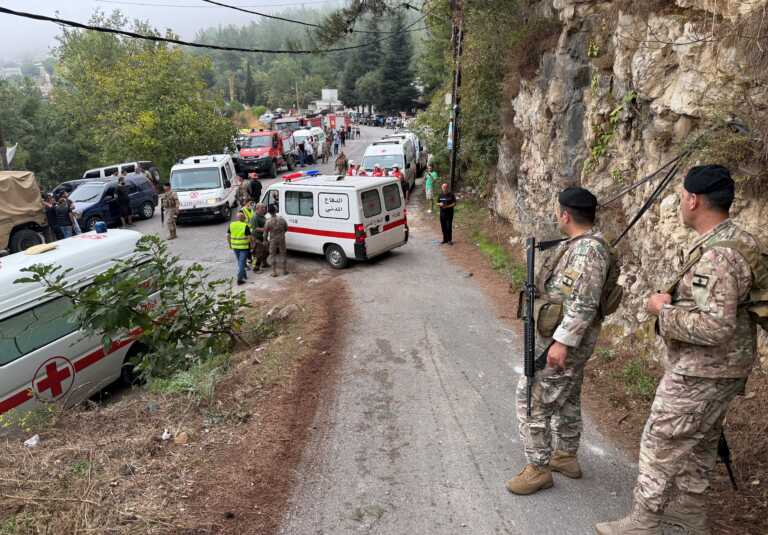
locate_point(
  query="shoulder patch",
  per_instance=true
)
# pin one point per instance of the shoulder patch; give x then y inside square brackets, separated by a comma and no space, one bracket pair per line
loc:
[569,277]
[700,281]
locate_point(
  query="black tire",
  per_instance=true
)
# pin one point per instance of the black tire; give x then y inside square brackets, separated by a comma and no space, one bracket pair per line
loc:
[90,223]
[23,239]
[226,212]
[273,170]
[147,210]
[335,256]
[128,375]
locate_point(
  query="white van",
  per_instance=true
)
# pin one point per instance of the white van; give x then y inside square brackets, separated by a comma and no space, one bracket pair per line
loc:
[44,357]
[126,168]
[341,217]
[419,148]
[391,152]
[206,187]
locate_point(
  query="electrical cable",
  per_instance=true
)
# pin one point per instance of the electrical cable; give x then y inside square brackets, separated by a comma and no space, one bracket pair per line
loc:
[158,39]
[296,3]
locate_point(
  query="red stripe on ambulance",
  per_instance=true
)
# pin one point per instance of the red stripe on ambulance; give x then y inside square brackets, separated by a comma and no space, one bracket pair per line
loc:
[317,232]
[80,364]
[394,224]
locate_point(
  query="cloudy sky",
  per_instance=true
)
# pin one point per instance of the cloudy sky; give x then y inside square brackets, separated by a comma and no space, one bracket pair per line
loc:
[20,38]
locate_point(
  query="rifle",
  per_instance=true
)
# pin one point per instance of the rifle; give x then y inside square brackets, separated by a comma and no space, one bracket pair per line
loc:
[724,452]
[531,363]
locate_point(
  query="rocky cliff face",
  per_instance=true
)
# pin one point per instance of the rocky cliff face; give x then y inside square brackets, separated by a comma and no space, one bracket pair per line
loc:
[628,85]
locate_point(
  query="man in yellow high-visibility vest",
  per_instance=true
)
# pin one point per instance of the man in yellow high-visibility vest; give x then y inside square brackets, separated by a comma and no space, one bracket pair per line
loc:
[239,239]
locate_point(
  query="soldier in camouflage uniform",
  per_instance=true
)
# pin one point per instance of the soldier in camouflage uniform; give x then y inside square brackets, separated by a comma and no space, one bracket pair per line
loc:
[571,284]
[169,210]
[710,350]
[274,232]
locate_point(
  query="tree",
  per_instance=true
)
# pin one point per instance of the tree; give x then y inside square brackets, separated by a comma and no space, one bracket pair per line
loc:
[397,88]
[368,87]
[249,93]
[157,107]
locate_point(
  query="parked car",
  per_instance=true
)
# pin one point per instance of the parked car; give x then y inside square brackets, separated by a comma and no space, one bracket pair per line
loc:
[69,186]
[97,200]
[127,168]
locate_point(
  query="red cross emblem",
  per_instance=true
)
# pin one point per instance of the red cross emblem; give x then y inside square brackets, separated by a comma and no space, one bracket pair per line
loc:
[53,379]
[194,195]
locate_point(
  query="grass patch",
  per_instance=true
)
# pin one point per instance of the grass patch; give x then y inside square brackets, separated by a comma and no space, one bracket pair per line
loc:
[638,379]
[198,382]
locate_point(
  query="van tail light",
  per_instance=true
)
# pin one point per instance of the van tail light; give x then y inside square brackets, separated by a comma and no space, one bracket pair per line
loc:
[359,234]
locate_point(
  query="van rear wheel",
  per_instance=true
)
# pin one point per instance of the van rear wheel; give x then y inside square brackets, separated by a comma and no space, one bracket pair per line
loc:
[147,210]
[273,170]
[335,256]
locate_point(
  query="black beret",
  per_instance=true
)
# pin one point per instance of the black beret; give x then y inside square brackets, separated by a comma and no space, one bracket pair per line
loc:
[708,179]
[579,198]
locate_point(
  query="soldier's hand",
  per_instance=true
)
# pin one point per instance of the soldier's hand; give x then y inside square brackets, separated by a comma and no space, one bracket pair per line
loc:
[656,301]
[556,355]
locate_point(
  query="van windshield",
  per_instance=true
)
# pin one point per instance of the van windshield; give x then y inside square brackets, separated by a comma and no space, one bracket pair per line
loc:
[254,142]
[386,161]
[87,193]
[195,179]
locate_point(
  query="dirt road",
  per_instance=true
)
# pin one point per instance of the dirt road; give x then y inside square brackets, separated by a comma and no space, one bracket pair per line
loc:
[420,435]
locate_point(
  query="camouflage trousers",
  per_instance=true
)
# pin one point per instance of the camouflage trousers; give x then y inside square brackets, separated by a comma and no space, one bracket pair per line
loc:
[555,405]
[678,449]
[260,252]
[277,250]
[171,223]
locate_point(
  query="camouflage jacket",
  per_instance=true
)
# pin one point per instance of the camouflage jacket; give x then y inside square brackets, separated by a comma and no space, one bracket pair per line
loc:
[170,203]
[706,333]
[275,228]
[577,281]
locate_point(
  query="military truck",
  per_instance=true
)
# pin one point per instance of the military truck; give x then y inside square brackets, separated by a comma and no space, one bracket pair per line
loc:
[22,214]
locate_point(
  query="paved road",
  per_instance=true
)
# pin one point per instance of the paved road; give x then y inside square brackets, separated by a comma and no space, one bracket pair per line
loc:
[205,242]
[421,436]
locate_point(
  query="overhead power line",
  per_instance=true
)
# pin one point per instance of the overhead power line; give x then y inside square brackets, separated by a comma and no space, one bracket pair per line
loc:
[158,39]
[295,3]
[265,15]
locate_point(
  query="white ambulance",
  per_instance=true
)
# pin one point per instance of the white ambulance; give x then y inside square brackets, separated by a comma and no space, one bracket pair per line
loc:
[44,357]
[389,152]
[206,187]
[341,217]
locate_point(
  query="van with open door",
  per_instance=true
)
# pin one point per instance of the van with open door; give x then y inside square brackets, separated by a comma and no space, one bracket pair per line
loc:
[44,356]
[341,217]
[206,187]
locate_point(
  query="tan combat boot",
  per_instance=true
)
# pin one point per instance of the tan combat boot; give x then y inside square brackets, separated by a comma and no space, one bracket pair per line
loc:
[533,478]
[565,463]
[687,514]
[638,522]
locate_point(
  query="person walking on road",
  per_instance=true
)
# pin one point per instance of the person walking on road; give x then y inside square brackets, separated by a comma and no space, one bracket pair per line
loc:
[169,210]
[336,142]
[239,240]
[52,233]
[343,136]
[446,201]
[377,170]
[260,249]
[572,282]
[430,178]
[275,230]
[341,163]
[711,339]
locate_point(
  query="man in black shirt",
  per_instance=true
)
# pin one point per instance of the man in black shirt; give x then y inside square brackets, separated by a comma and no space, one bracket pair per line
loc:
[254,189]
[124,203]
[446,201]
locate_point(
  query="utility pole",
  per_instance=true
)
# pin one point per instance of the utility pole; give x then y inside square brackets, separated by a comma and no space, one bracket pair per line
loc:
[3,152]
[458,40]
[297,96]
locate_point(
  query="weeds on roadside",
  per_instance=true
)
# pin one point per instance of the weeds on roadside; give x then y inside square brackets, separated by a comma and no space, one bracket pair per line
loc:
[197,383]
[28,420]
[637,379]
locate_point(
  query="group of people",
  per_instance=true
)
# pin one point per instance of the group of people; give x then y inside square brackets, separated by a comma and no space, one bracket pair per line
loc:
[60,215]
[710,337]
[255,239]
